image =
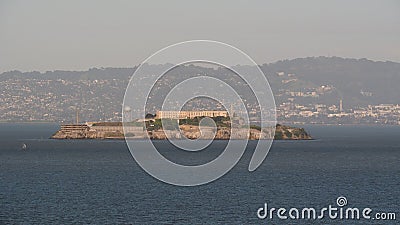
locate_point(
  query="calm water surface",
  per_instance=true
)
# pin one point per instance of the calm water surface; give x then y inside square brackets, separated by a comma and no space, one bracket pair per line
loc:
[98,182]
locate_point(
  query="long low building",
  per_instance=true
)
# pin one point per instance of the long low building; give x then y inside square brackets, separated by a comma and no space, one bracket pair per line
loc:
[189,114]
[100,130]
[74,128]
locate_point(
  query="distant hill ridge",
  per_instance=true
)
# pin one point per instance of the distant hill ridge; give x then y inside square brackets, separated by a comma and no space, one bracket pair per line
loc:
[320,62]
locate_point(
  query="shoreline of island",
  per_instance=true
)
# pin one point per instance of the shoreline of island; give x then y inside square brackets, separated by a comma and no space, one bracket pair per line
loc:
[116,131]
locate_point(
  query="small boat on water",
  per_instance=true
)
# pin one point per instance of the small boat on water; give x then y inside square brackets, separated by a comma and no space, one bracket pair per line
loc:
[24,146]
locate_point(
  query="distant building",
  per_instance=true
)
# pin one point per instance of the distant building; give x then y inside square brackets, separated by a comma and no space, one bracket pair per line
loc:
[69,128]
[341,105]
[189,114]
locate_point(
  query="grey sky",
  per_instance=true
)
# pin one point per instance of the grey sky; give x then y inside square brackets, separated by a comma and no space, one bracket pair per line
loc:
[77,35]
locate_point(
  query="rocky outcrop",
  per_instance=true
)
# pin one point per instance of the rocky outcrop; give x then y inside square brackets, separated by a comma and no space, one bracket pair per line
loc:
[70,135]
[290,133]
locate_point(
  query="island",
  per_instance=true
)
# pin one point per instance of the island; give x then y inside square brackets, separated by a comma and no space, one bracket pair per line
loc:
[186,129]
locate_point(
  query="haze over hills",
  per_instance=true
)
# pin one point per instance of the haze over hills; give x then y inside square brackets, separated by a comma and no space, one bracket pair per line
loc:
[357,81]
[98,93]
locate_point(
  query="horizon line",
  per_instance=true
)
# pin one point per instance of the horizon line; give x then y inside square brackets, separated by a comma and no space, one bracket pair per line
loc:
[132,67]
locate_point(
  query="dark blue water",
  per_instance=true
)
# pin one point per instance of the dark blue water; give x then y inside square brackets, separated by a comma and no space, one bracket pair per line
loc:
[97,182]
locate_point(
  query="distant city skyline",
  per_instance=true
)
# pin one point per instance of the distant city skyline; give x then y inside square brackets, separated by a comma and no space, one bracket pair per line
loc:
[70,35]
[314,90]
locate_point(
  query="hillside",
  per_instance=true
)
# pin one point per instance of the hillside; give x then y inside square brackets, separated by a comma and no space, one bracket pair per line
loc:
[358,81]
[98,93]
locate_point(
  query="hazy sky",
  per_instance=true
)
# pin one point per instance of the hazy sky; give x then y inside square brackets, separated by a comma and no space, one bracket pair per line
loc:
[77,35]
